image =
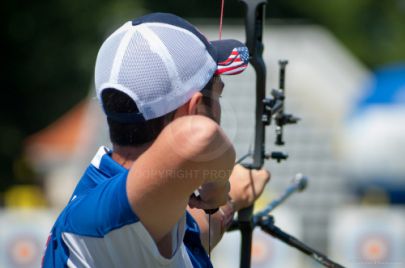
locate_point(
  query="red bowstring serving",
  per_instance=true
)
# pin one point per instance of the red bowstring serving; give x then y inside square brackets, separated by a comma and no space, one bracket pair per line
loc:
[220,19]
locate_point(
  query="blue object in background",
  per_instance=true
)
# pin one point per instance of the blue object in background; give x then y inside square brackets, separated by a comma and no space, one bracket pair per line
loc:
[387,88]
[386,93]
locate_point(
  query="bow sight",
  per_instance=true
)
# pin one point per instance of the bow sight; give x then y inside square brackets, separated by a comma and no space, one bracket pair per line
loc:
[274,108]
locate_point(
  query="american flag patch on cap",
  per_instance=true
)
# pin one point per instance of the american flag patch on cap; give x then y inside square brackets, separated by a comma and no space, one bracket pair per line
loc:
[236,62]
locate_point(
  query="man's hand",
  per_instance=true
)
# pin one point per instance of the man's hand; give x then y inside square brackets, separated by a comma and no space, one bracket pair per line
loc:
[211,195]
[247,185]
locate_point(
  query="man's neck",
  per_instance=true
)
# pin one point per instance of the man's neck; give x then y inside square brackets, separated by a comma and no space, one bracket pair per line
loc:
[126,155]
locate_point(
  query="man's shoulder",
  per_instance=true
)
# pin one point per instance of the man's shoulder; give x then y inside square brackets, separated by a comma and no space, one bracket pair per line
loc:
[100,209]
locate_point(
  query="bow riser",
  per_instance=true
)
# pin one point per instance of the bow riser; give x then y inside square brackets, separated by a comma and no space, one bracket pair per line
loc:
[254,22]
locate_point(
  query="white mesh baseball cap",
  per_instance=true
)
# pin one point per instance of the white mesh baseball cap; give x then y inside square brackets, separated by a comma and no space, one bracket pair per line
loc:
[160,60]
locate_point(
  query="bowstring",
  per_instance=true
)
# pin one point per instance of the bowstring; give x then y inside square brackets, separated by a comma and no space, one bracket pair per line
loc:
[221,17]
[209,236]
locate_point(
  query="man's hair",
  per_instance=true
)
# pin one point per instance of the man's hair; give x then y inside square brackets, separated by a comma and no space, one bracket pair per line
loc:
[130,134]
[133,134]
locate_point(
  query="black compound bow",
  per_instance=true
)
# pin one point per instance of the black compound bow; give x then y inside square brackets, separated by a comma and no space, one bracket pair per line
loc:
[267,109]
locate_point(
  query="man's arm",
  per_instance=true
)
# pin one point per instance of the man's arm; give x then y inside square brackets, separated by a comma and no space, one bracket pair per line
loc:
[246,186]
[184,156]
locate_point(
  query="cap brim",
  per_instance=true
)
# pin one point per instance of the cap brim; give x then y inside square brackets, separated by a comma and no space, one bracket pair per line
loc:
[232,56]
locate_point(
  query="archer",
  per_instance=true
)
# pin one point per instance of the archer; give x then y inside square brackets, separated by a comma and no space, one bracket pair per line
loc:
[158,81]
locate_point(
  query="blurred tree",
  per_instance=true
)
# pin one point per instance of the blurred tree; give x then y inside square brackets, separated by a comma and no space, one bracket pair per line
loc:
[49,51]
[373,30]
[211,9]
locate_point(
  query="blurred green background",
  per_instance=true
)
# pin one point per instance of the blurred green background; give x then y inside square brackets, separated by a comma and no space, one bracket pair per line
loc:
[49,50]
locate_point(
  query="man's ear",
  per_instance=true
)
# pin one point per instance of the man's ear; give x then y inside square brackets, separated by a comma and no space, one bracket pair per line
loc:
[190,107]
[194,102]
